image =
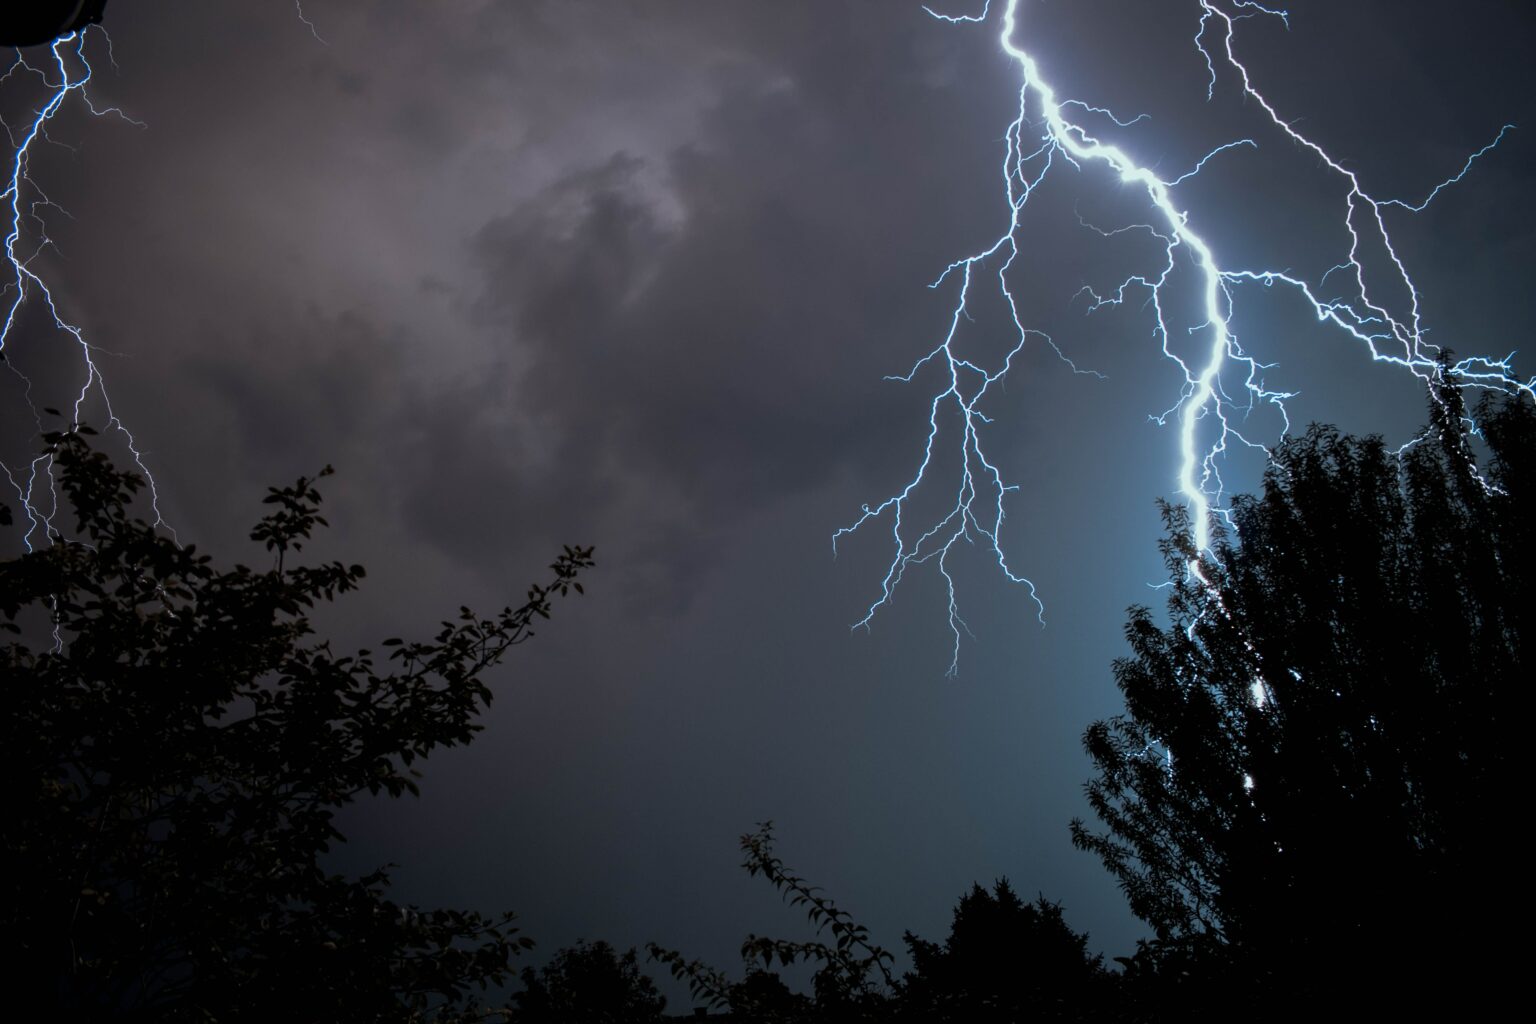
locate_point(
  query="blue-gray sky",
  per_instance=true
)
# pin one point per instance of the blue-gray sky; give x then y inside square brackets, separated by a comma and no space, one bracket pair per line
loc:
[630,275]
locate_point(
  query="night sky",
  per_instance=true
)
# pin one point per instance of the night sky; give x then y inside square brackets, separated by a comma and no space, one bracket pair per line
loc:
[631,275]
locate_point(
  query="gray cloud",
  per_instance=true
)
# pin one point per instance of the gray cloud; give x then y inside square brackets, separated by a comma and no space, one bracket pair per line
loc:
[533,273]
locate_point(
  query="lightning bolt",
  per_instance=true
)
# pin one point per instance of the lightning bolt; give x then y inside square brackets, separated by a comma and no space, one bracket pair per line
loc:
[1222,383]
[298,7]
[64,79]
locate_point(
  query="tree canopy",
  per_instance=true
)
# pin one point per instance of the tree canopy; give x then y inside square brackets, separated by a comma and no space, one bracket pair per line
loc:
[1005,960]
[179,742]
[1308,798]
[589,983]
[1311,792]
[1311,787]
[852,979]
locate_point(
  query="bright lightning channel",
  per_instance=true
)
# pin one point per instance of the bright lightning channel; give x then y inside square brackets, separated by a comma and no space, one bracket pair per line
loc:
[64,77]
[1049,130]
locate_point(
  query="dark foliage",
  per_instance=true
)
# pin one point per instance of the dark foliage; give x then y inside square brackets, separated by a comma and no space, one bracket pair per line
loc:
[178,743]
[852,968]
[588,983]
[1311,792]
[763,996]
[1005,960]
[1308,797]
[40,22]
[852,981]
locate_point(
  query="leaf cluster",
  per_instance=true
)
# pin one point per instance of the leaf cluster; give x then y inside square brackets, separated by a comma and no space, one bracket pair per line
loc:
[180,742]
[847,962]
[588,982]
[853,979]
[1004,960]
[1315,744]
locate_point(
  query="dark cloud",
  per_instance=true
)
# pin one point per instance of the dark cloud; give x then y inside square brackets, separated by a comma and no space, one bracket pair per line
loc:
[707,352]
[533,273]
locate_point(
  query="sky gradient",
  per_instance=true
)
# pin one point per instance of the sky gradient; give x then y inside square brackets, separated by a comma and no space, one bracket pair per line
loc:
[631,275]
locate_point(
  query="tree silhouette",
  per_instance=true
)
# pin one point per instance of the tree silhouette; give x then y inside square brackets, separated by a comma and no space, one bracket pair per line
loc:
[852,981]
[1309,794]
[589,983]
[1005,960]
[177,743]
[39,22]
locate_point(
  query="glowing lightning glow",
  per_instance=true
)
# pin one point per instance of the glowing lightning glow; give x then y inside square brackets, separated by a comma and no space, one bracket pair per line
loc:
[1205,412]
[65,77]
